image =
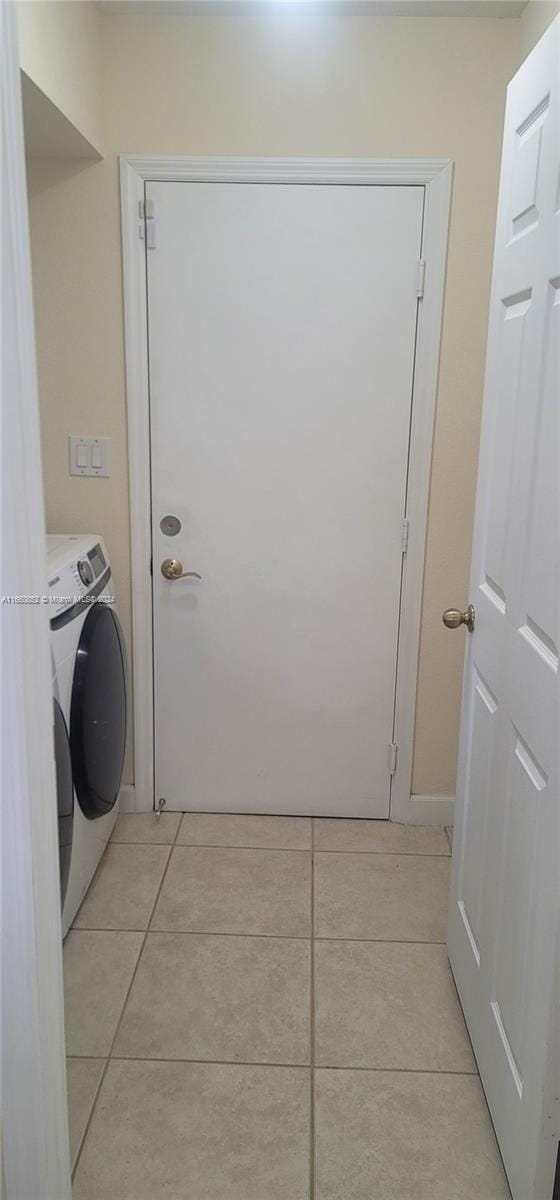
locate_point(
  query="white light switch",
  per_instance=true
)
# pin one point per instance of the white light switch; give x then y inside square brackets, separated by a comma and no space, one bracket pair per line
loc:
[89,456]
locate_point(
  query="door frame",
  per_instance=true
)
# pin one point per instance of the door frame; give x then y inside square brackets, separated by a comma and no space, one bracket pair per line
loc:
[36,1156]
[435,175]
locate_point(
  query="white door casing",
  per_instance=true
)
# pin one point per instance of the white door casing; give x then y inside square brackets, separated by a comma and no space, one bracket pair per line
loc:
[435,176]
[504,913]
[35,1156]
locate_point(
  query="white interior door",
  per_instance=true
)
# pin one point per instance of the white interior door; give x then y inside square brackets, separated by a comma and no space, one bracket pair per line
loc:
[281,343]
[503,927]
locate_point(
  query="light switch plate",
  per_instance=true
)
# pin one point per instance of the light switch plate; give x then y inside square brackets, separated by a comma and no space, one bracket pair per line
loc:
[89,456]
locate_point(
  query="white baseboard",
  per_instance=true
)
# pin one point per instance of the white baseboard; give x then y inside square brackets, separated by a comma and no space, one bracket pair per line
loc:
[127,798]
[430,810]
[422,810]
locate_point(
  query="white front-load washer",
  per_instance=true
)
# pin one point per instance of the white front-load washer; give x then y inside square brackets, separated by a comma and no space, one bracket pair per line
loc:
[90,666]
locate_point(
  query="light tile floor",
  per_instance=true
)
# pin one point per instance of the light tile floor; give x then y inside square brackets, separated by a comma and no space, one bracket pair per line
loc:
[261,1008]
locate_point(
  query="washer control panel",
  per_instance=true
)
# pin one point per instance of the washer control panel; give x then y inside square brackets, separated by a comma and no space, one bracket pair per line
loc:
[76,578]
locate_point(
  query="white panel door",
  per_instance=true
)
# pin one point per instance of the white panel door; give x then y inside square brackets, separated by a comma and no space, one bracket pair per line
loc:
[503,927]
[281,341]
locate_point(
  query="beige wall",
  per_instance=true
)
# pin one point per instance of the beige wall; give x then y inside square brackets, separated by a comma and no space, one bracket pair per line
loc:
[283,83]
[59,50]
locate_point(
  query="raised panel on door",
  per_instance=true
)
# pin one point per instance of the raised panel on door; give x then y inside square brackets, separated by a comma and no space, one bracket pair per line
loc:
[494,581]
[282,326]
[478,794]
[540,591]
[516,874]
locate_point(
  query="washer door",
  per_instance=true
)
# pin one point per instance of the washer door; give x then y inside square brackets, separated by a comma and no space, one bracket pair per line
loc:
[65,796]
[98,712]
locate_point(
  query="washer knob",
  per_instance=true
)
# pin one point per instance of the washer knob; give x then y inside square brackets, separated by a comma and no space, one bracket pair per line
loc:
[85,571]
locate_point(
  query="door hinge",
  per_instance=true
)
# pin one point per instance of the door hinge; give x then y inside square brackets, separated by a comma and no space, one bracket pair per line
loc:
[404,539]
[393,753]
[147,223]
[420,277]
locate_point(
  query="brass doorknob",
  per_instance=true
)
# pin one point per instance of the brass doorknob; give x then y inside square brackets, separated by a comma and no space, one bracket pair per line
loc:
[172,568]
[453,617]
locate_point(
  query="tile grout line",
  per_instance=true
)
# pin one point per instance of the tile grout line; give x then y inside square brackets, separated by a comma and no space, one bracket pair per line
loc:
[224,846]
[125,1002]
[289,849]
[280,937]
[312,1026]
[88,1058]
[444,857]
[212,1062]
[290,1066]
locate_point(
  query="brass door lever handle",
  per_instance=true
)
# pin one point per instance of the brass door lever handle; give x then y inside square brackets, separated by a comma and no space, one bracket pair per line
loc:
[172,569]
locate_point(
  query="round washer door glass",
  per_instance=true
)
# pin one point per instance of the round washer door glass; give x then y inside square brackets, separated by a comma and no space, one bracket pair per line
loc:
[98,712]
[65,796]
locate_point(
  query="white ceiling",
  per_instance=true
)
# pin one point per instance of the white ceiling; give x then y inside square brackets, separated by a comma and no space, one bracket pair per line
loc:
[380,8]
